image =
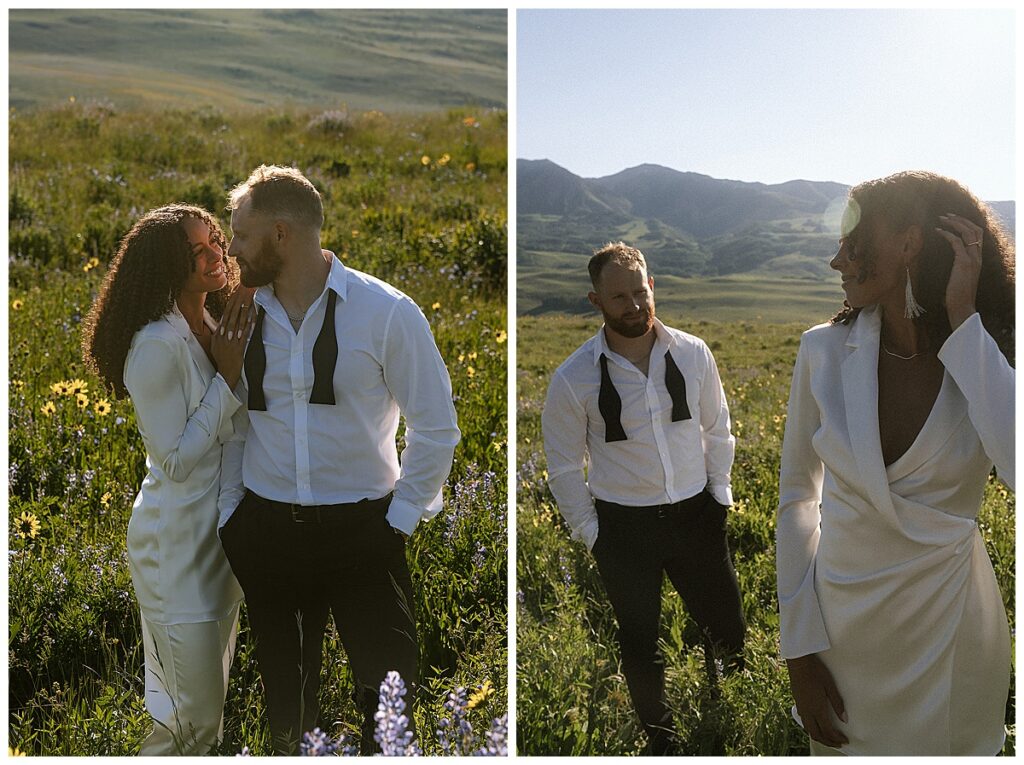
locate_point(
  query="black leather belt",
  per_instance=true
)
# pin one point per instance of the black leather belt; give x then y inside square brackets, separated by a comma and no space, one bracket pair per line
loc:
[661,511]
[324,513]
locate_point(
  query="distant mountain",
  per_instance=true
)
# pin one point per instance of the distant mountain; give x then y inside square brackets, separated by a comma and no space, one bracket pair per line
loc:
[687,224]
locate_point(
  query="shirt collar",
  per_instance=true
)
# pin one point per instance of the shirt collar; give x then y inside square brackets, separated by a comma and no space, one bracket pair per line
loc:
[177,319]
[337,280]
[661,333]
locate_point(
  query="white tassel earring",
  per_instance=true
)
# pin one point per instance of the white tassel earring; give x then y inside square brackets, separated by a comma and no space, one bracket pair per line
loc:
[912,309]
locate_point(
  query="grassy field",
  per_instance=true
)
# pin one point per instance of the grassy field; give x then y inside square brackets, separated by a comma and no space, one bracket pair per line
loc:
[557,282]
[409,60]
[572,697]
[418,200]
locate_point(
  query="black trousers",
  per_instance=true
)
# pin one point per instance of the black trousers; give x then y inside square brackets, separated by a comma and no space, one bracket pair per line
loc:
[346,560]
[687,541]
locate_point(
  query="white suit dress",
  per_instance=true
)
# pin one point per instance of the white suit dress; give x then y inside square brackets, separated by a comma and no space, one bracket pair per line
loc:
[882,570]
[187,594]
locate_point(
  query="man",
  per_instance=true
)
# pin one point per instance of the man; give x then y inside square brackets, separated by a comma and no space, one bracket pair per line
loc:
[645,402]
[323,505]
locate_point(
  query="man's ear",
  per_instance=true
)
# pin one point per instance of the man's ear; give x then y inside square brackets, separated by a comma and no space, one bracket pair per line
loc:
[281,231]
[594,300]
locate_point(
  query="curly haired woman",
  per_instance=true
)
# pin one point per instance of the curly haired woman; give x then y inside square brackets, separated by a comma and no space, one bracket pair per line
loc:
[892,623]
[151,335]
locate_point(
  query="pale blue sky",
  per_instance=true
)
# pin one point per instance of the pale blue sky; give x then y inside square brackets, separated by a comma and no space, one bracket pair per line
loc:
[771,95]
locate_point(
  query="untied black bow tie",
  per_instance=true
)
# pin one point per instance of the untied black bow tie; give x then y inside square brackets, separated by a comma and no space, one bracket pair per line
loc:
[325,358]
[610,404]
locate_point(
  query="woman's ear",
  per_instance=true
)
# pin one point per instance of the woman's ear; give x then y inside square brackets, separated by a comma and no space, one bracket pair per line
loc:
[913,241]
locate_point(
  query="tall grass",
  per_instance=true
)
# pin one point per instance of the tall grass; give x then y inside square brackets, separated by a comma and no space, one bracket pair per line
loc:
[416,200]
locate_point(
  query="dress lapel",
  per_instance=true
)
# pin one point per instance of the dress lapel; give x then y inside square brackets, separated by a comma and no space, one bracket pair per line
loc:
[860,394]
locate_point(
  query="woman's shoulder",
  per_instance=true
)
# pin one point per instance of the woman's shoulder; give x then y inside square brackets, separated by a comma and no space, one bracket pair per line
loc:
[827,335]
[160,331]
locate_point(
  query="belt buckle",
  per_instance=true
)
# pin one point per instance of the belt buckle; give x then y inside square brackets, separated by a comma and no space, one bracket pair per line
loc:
[297,518]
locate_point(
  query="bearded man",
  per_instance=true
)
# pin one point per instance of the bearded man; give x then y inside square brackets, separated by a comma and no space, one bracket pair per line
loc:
[641,407]
[315,507]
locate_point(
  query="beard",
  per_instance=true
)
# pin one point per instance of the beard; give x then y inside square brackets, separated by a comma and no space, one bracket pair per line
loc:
[633,325]
[263,269]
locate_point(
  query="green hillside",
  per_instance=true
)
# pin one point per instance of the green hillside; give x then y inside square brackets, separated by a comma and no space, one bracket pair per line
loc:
[390,60]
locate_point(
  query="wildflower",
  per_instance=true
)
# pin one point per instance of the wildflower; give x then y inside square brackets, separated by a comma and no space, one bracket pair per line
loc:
[48,408]
[480,695]
[472,356]
[102,407]
[496,744]
[16,305]
[355,233]
[392,725]
[462,357]
[435,306]
[82,400]
[13,751]
[470,372]
[94,262]
[501,337]
[77,386]
[105,499]
[425,160]
[18,384]
[59,388]
[445,159]
[317,744]
[71,99]
[470,122]
[87,268]
[471,166]
[28,525]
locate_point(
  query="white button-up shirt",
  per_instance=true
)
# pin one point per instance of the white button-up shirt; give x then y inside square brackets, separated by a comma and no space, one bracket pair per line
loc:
[661,461]
[317,454]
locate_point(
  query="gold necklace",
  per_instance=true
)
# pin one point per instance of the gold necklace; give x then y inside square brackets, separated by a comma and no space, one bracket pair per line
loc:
[896,355]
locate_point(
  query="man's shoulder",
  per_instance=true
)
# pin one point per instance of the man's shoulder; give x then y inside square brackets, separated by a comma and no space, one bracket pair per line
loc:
[364,284]
[579,360]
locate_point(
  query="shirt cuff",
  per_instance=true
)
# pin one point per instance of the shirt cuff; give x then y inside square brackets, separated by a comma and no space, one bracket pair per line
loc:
[588,534]
[403,516]
[722,494]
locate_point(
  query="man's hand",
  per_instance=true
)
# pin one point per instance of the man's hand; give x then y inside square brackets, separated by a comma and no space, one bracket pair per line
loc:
[815,692]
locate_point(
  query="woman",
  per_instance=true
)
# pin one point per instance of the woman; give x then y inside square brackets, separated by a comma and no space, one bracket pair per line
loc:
[892,622]
[151,335]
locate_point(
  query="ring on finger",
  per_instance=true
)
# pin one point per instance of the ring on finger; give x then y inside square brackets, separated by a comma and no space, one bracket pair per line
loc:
[971,244]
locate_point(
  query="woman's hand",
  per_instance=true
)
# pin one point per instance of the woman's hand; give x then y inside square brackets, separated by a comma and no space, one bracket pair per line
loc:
[228,346]
[965,238]
[814,691]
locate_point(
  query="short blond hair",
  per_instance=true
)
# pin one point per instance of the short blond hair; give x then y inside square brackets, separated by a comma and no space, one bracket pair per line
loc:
[280,192]
[619,253]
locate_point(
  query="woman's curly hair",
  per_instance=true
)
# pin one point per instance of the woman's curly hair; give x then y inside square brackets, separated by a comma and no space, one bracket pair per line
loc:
[146,276]
[919,198]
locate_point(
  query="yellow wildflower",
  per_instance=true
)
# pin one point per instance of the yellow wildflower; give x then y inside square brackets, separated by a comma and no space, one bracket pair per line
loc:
[48,408]
[87,268]
[471,166]
[82,400]
[13,751]
[102,407]
[469,121]
[59,388]
[470,372]
[462,357]
[71,99]
[16,305]
[501,337]
[425,160]
[94,262]
[77,386]
[355,233]
[435,306]
[472,356]
[105,499]
[18,384]
[28,526]
[480,695]
[445,159]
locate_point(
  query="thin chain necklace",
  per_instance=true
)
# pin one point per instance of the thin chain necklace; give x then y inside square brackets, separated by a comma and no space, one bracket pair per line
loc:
[898,356]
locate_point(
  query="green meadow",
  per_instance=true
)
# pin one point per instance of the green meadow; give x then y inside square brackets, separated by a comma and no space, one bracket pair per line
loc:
[572,697]
[416,199]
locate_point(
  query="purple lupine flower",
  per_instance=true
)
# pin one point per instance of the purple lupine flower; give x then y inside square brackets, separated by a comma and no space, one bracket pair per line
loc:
[392,725]
[317,744]
[496,739]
